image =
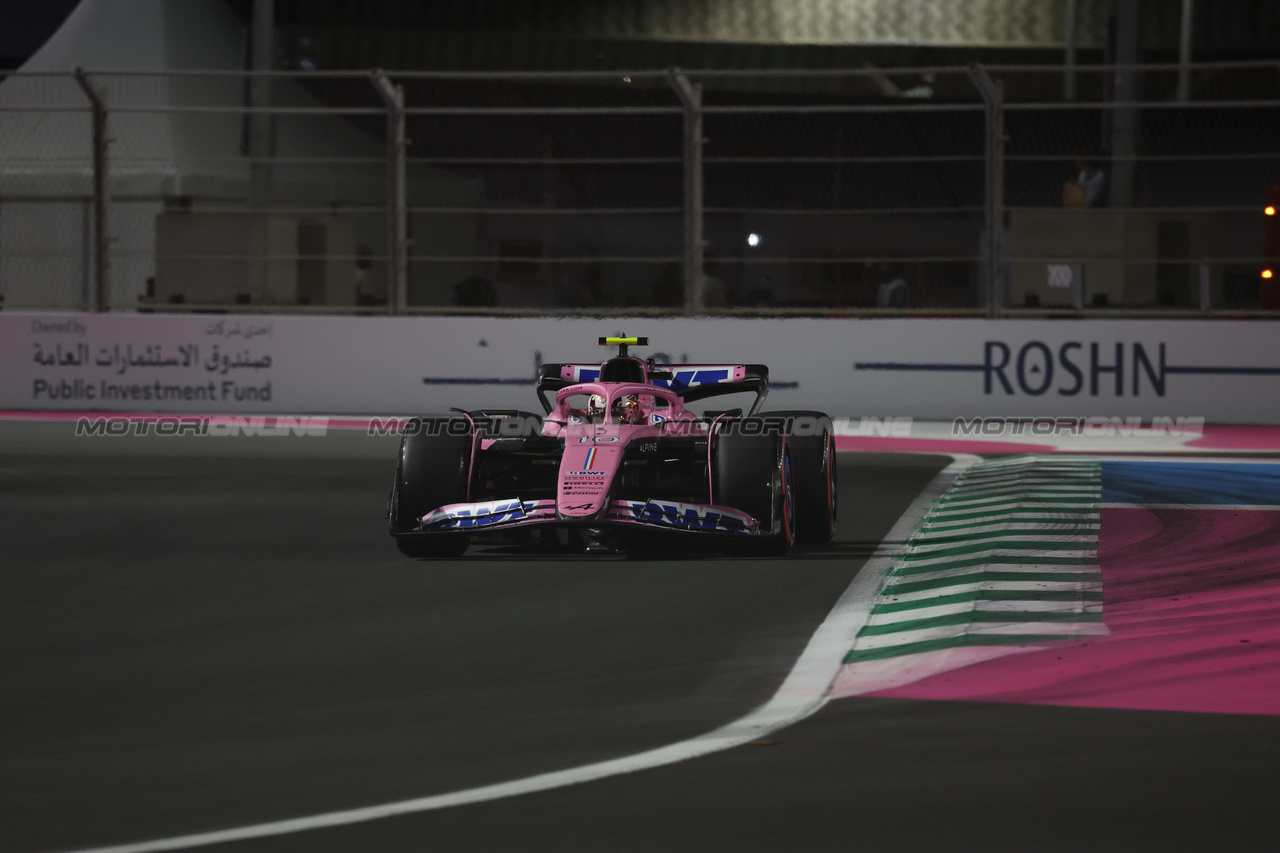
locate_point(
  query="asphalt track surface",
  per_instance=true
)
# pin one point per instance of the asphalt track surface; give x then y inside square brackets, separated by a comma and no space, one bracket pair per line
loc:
[204,633]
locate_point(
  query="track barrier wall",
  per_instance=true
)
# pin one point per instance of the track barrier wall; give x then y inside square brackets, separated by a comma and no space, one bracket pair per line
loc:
[938,369]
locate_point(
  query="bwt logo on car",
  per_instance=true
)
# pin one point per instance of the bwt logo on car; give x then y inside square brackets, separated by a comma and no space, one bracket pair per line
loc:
[475,515]
[1071,368]
[686,516]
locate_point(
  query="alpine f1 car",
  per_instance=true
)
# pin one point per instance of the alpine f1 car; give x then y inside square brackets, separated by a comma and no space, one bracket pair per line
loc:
[618,458]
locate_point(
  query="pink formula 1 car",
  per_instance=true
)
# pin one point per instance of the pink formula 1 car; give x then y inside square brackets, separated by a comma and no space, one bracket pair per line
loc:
[617,461]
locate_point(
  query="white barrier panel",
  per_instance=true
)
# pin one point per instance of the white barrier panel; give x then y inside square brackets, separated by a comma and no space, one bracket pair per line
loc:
[1224,371]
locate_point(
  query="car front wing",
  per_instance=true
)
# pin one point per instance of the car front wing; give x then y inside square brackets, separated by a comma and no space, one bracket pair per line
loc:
[654,513]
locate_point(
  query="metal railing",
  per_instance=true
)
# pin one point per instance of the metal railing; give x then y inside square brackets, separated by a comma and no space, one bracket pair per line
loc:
[937,191]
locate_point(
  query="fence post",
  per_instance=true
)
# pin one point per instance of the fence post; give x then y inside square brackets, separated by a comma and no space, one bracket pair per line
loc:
[1069,55]
[992,92]
[1125,123]
[261,86]
[1184,50]
[691,99]
[101,194]
[397,212]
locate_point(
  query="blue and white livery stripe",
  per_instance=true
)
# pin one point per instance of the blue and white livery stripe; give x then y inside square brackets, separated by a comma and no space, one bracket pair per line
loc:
[464,516]
[683,516]
[680,377]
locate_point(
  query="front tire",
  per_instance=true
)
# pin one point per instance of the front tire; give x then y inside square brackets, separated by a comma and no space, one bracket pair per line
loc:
[753,474]
[433,470]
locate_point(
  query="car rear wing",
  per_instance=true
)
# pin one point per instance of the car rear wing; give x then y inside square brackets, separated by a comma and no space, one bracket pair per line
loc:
[691,381]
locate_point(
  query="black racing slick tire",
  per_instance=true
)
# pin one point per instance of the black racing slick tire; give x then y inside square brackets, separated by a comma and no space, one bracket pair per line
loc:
[753,474]
[813,474]
[432,471]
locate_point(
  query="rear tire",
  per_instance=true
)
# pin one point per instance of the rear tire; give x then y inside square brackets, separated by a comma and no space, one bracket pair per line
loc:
[753,474]
[433,470]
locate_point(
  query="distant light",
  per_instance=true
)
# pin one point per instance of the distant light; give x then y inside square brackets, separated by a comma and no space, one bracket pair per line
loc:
[307,65]
[626,79]
[1266,273]
[753,240]
[1269,210]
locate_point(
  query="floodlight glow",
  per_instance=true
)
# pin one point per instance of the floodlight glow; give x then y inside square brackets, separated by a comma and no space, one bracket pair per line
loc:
[753,240]
[1269,210]
[1266,273]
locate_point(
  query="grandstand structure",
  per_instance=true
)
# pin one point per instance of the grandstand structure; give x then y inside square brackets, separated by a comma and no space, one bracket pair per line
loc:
[552,157]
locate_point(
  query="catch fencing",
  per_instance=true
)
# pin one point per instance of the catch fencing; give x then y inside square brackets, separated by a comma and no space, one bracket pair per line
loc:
[938,191]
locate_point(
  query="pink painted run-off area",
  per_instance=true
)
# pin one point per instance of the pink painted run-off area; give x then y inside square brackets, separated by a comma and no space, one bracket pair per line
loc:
[1192,598]
[1238,437]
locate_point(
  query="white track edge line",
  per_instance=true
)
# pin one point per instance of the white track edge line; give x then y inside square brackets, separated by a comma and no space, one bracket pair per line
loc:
[802,693]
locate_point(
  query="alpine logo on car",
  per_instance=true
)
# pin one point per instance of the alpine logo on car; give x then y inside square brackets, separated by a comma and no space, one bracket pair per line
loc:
[687,516]
[459,516]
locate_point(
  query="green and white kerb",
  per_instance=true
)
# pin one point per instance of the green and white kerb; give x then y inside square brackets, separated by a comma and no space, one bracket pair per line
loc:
[1007,556]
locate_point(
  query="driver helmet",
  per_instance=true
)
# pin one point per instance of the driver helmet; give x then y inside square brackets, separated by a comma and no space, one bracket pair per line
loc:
[627,408]
[595,406]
